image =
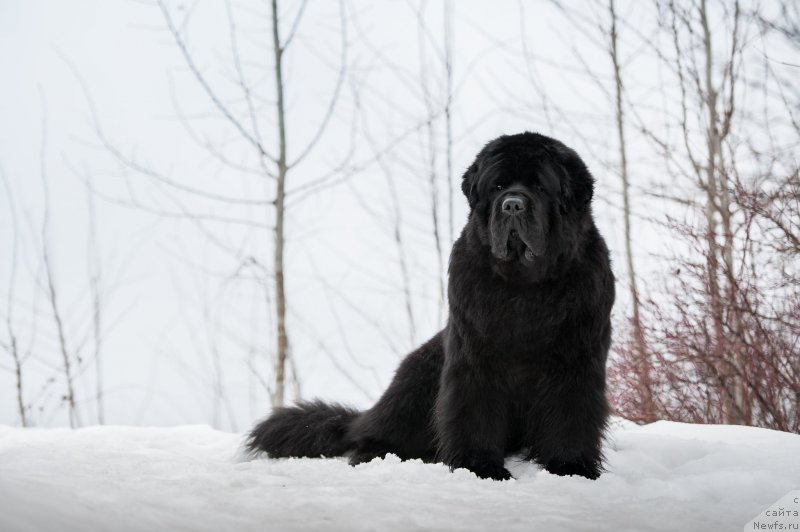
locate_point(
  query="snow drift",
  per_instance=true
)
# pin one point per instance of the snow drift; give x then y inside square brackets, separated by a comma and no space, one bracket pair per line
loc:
[664,476]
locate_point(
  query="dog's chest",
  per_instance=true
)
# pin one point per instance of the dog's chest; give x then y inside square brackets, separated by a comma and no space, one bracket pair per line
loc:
[514,319]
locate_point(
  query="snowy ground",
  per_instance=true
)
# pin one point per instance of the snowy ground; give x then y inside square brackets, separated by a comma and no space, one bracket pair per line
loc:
[664,476]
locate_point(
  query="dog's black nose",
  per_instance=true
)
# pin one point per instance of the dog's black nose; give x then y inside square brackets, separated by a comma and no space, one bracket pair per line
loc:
[513,204]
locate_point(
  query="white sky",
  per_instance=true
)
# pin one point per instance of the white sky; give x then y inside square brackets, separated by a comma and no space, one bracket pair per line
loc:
[171,294]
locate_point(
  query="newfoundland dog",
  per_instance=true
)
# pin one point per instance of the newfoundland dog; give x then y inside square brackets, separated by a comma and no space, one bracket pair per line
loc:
[520,366]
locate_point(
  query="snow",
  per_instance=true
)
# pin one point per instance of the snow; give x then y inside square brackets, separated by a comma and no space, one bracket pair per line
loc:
[663,476]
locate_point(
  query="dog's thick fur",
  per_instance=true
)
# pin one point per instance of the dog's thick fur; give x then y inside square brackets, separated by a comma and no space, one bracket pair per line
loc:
[520,366]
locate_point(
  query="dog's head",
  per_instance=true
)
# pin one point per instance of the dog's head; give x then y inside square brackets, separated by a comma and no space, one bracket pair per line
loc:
[529,198]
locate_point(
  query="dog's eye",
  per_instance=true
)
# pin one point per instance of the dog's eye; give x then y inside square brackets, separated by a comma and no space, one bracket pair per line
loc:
[499,187]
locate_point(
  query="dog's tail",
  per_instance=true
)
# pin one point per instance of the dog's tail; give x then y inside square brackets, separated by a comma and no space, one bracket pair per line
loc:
[308,429]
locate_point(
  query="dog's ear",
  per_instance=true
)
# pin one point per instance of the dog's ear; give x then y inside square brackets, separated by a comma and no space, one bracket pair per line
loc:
[469,184]
[578,184]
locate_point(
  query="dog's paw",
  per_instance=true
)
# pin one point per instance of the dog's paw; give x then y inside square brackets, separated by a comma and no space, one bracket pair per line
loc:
[492,471]
[484,465]
[362,457]
[584,468]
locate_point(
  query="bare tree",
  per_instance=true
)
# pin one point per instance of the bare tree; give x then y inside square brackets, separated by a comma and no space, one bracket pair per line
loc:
[432,145]
[397,232]
[723,338]
[52,290]
[94,267]
[448,110]
[51,336]
[280,198]
[643,365]
[12,345]
[276,167]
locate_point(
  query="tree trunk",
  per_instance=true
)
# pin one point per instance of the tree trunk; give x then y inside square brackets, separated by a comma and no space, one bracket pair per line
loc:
[280,293]
[448,108]
[643,363]
[716,203]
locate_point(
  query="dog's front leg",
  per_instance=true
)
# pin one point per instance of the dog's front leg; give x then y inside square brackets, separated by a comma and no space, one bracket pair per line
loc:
[472,418]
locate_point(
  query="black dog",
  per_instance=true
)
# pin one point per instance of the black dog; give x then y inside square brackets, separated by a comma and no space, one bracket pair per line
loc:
[520,365]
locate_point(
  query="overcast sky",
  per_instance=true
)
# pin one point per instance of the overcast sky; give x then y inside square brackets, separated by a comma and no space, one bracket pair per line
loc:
[187,321]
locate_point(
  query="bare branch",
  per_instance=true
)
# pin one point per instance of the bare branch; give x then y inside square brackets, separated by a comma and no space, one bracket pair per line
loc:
[74,418]
[336,91]
[12,347]
[296,24]
[207,87]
